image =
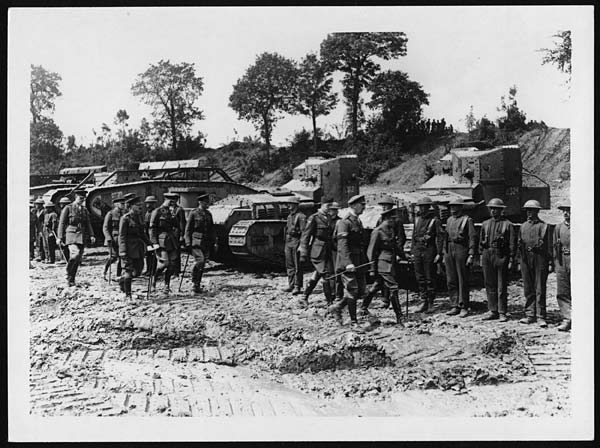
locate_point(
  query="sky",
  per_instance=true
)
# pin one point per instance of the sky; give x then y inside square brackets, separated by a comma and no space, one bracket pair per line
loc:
[462,56]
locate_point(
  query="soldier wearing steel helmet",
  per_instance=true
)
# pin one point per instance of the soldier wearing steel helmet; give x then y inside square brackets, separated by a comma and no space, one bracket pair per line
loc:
[562,256]
[200,238]
[294,226]
[426,249]
[497,245]
[536,259]
[460,246]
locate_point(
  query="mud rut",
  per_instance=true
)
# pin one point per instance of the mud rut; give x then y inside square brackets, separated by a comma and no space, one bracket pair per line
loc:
[244,348]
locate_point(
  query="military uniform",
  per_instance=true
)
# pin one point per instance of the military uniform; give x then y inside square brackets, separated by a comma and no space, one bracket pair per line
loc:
[459,244]
[32,232]
[39,233]
[75,229]
[339,285]
[49,231]
[497,246]
[383,249]
[427,243]
[179,214]
[318,235]
[351,249]
[110,229]
[200,237]
[150,256]
[535,251]
[562,255]
[132,242]
[293,231]
[163,231]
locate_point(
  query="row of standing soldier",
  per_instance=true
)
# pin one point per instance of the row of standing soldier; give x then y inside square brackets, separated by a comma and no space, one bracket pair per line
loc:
[341,256]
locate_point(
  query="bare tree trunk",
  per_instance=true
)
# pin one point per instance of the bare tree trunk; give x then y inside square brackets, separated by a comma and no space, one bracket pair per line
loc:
[267,136]
[314,120]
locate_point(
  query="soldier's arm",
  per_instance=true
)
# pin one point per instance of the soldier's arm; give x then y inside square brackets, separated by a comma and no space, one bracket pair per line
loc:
[301,222]
[106,226]
[472,237]
[307,233]
[512,240]
[440,236]
[372,250]
[153,226]
[88,223]
[342,244]
[189,229]
[62,225]
[212,232]
[123,229]
[481,238]
[549,240]
[400,234]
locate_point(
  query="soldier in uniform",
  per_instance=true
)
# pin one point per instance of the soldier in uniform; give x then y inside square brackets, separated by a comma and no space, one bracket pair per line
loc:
[49,231]
[426,249]
[132,242]
[296,221]
[163,231]
[110,229]
[199,238]
[536,259]
[32,230]
[179,214]
[382,252]
[562,255]
[318,235]
[387,203]
[75,229]
[150,203]
[333,210]
[460,245]
[498,249]
[39,229]
[351,252]
[64,201]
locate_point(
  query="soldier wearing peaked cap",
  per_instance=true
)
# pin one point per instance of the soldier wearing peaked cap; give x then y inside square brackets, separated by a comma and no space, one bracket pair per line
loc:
[317,239]
[383,251]
[132,242]
[459,249]
[497,245]
[200,238]
[163,232]
[75,229]
[351,252]
[294,226]
[110,228]
[427,249]
[536,259]
[562,256]
[338,291]
[150,203]
[49,231]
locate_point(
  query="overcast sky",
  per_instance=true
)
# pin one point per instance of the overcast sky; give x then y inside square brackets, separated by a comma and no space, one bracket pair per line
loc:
[462,56]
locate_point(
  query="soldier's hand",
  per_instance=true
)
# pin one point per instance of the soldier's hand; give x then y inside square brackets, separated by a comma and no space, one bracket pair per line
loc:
[59,241]
[437,258]
[470,260]
[122,254]
[510,264]
[108,241]
[156,246]
[350,268]
[149,248]
[93,239]
[303,258]
[551,267]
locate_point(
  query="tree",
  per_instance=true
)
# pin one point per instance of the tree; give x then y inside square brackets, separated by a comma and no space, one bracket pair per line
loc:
[352,54]
[313,87]
[265,92]
[172,91]
[44,90]
[513,119]
[560,55]
[45,139]
[470,121]
[399,99]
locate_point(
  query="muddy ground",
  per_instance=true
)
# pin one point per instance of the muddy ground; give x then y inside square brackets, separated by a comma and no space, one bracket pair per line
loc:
[244,347]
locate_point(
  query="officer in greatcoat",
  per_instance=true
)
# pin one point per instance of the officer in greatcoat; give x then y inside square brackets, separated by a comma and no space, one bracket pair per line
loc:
[199,238]
[75,229]
[132,243]
[164,228]
[316,240]
[497,245]
[295,223]
[562,256]
[460,246]
[536,260]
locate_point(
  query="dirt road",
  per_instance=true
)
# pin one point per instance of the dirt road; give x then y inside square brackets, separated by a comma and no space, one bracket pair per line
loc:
[245,348]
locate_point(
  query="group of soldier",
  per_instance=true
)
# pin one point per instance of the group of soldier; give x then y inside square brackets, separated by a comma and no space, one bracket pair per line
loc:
[155,237]
[337,248]
[342,256]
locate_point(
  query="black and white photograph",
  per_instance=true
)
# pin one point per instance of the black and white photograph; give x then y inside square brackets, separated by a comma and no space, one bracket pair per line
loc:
[300,223]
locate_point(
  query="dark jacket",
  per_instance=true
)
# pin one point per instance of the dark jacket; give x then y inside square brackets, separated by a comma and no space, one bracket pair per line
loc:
[75,226]
[351,242]
[132,237]
[498,235]
[384,247]
[163,228]
[427,233]
[460,231]
[293,228]
[318,235]
[200,229]
[110,228]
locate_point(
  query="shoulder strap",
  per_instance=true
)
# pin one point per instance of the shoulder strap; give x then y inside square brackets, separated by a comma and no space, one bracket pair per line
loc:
[463,223]
[430,225]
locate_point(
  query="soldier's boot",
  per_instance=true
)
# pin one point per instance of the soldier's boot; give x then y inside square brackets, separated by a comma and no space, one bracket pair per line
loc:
[336,309]
[119,268]
[197,279]
[127,286]
[364,309]
[167,289]
[396,306]
[430,300]
[352,310]
[122,284]
[565,325]
[386,297]
[106,266]
[310,286]
[424,306]
[327,292]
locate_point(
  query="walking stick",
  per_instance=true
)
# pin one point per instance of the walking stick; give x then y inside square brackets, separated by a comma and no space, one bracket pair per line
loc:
[183,273]
[59,246]
[109,263]
[355,267]
[151,270]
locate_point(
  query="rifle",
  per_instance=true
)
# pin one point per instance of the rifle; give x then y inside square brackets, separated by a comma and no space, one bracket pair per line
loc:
[355,267]
[183,273]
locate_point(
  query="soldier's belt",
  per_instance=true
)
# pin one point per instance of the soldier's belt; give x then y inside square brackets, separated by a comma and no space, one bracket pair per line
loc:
[566,251]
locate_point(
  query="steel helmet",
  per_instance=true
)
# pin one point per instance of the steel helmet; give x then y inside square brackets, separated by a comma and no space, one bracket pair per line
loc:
[566,204]
[496,203]
[457,201]
[387,200]
[426,200]
[532,203]
[64,200]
